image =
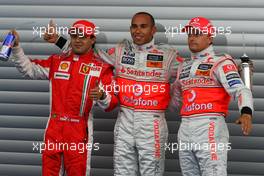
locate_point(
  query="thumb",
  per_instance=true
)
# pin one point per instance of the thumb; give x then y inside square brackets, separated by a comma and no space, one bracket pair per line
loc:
[237,121]
[96,83]
[51,26]
[51,23]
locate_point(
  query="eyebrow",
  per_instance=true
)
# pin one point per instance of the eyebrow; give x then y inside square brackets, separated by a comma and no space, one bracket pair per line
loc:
[144,24]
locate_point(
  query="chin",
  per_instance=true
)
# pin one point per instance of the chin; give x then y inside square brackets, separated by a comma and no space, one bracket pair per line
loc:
[78,52]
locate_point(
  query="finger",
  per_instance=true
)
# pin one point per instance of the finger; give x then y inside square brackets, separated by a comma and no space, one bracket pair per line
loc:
[249,127]
[51,27]
[242,125]
[246,126]
[237,121]
[96,83]
[94,90]
[12,31]
[93,97]
[51,23]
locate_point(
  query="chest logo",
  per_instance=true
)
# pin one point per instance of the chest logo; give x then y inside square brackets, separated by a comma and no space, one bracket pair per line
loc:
[89,69]
[154,61]
[64,66]
[128,58]
[204,70]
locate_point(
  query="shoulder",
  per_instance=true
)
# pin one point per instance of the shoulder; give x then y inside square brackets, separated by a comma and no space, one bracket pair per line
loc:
[99,62]
[166,48]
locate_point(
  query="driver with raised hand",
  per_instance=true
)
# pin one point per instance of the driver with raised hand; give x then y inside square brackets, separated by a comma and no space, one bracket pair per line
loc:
[75,79]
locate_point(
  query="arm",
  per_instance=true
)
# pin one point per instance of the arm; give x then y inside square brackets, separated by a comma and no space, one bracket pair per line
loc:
[103,92]
[228,75]
[175,88]
[107,80]
[37,69]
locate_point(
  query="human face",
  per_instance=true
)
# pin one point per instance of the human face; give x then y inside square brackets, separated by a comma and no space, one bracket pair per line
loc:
[198,41]
[142,29]
[81,44]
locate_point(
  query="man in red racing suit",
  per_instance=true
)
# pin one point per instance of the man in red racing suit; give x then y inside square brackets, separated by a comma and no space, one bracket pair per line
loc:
[206,82]
[74,79]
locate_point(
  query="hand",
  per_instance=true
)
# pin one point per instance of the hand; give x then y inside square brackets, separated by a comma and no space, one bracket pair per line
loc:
[97,93]
[246,123]
[51,36]
[17,39]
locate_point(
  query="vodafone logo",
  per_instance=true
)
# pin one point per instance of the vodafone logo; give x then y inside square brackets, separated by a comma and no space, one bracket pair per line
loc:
[195,21]
[191,96]
[192,105]
[138,90]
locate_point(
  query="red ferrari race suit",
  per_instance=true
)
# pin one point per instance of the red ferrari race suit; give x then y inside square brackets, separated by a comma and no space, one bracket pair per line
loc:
[68,135]
[206,83]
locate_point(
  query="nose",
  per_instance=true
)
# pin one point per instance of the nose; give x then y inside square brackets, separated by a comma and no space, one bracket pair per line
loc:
[137,30]
[78,39]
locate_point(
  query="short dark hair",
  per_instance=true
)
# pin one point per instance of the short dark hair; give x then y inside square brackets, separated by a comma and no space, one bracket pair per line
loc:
[148,14]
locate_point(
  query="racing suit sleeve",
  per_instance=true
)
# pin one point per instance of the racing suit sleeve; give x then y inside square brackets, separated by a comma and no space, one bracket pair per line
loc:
[34,69]
[108,56]
[106,83]
[227,74]
[175,101]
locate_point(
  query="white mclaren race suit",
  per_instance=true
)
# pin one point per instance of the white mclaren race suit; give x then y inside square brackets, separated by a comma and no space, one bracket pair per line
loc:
[206,83]
[141,129]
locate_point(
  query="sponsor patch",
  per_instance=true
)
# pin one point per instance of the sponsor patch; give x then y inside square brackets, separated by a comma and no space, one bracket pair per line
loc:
[212,141]
[234,82]
[232,76]
[59,75]
[141,73]
[128,60]
[202,73]
[92,70]
[64,66]
[205,66]
[185,69]
[157,138]
[155,51]
[229,67]
[204,70]
[84,69]
[153,57]
[184,75]
[95,71]
[154,64]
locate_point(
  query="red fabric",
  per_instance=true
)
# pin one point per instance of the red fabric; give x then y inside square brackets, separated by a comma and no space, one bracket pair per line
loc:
[87,27]
[200,23]
[205,100]
[147,95]
[69,78]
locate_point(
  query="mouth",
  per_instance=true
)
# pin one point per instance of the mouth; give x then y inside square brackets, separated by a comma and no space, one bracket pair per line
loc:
[78,46]
[138,37]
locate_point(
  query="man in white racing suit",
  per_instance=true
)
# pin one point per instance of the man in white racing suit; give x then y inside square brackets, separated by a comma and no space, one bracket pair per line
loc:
[206,82]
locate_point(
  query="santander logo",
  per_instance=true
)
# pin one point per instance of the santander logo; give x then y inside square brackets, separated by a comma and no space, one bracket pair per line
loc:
[194,106]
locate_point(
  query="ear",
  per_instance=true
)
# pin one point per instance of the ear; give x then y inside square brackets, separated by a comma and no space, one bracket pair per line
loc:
[210,40]
[93,40]
[154,30]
